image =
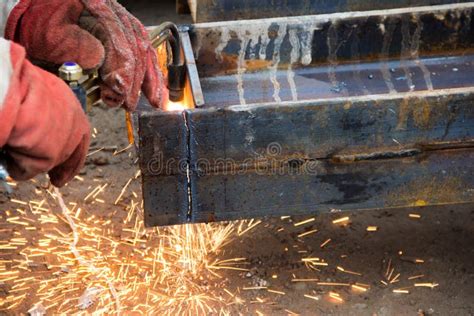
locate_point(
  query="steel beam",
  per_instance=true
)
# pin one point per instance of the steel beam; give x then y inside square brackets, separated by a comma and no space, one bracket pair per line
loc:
[229,10]
[240,162]
[349,111]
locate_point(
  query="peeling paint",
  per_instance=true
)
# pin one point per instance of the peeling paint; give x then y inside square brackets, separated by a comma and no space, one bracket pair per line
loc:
[278,39]
[387,41]
[294,56]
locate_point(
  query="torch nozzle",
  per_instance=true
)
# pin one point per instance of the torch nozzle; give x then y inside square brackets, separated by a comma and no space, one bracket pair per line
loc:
[176,82]
[168,32]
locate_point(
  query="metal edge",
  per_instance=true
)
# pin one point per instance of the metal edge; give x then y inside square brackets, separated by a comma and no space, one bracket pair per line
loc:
[193,74]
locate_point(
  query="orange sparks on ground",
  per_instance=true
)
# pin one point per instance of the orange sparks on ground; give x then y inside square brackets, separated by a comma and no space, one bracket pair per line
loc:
[325,243]
[412,259]
[348,271]
[341,220]
[123,191]
[401,291]
[315,261]
[307,221]
[254,288]
[307,233]
[332,284]
[336,297]
[251,225]
[359,288]
[416,277]
[18,202]
[276,292]
[166,271]
[430,285]
[395,278]
[312,297]
[93,270]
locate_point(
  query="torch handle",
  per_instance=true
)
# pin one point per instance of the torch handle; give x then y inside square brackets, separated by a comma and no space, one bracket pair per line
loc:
[4,175]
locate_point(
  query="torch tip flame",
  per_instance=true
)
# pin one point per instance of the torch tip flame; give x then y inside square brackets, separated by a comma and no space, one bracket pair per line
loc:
[176,106]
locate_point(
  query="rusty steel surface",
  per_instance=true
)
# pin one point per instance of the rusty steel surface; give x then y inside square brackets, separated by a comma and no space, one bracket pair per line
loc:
[430,179]
[347,111]
[267,45]
[246,162]
[348,80]
[225,10]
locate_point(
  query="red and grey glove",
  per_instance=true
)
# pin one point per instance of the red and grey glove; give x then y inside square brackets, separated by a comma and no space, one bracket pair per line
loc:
[95,34]
[42,125]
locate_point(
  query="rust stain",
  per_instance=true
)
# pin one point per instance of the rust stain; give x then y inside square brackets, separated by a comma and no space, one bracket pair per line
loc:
[420,203]
[257,64]
[429,191]
[421,112]
[403,114]
[323,116]
[424,114]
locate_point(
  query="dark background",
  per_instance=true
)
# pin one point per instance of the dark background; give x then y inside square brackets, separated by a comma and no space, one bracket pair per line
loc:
[155,12]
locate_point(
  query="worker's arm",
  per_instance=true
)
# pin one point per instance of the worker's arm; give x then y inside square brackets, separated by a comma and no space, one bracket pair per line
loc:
[95,34]
[42,125]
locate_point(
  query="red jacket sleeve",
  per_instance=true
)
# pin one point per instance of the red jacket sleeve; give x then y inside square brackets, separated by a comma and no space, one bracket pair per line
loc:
[42,125]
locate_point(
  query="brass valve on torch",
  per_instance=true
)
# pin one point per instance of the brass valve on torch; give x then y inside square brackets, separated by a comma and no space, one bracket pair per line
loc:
[85,85]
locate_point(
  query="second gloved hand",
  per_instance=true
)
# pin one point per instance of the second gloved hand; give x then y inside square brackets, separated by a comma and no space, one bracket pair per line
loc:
[93,33]
[42,125]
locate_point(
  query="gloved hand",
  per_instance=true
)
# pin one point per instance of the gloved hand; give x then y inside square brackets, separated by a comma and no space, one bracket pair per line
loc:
[42,125]
[93,33]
